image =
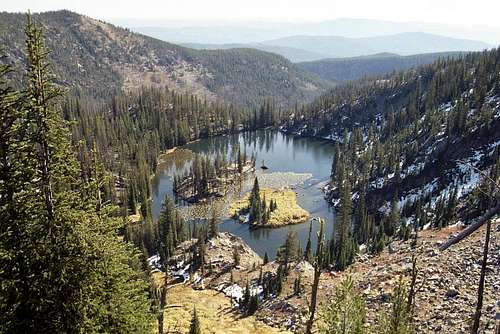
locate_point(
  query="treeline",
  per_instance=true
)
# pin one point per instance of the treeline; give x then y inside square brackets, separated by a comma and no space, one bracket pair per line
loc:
[63,268]
[131,130]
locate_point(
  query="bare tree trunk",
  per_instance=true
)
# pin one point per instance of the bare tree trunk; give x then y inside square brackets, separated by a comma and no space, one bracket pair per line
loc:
[412,292]
[480,290]
[317,273]
[471,228]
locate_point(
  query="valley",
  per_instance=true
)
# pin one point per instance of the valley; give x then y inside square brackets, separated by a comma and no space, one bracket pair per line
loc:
[300,183]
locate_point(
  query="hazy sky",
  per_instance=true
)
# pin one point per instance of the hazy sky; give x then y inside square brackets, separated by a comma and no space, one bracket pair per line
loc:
[478,12]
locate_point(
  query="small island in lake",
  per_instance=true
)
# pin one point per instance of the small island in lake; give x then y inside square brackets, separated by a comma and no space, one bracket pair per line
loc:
[268,208]
[211,178]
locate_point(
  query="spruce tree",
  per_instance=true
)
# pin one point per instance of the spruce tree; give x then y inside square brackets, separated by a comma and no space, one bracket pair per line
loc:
[65,280]
[212,225]
[195,326]
[346,313]
[255,204]
[398,319]
[253,304]
[345,242]
[166,230]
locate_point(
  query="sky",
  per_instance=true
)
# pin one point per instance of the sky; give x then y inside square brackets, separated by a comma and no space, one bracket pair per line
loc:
[463,12]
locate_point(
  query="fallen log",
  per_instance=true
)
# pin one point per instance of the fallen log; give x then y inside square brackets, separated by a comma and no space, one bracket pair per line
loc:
[173,306]
[471,228]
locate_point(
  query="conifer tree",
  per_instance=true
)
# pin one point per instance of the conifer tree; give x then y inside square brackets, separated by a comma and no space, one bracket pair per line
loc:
[213,228]
[255,204]
[346,313]
[246,296]
[65,280]
[398,320]
[289,251]
[195,327]
[253,304]
[345,242]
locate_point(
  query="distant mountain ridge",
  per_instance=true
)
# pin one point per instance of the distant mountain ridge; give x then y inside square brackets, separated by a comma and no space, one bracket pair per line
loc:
[401,44]
[257,31]
[347,69]
[302,48]
[91,55]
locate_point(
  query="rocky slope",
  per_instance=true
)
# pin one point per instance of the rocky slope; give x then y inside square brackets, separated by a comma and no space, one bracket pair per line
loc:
[416,137]
[447,281]
[95,56]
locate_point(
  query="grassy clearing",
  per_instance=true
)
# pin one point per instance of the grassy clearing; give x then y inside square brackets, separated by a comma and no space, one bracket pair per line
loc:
[214,311]
[288,211]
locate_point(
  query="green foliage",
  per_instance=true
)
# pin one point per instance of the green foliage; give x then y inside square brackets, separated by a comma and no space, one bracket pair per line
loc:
[343,245]
[397,134]
[171,230]
[253,305]
[213,228]
[308,250]
[63,267]
[355,68]
[398,320]
[289,252]
[256,209]
[346,313]
[195,327]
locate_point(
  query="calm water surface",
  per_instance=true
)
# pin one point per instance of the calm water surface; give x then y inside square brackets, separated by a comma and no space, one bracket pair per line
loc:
[281,153]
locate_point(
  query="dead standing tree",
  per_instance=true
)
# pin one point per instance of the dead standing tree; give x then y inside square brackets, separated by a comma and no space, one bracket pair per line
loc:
[318,261]
[494,192]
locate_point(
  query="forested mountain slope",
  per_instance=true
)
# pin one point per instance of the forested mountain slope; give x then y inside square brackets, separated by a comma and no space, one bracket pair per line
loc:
[92,55]
[347,69]
[293,54]
[417,141]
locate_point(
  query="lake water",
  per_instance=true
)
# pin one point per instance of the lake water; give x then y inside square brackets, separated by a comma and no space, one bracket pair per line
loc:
[280,153]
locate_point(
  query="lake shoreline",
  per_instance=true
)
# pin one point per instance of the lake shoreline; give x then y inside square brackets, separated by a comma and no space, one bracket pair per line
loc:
[294,162]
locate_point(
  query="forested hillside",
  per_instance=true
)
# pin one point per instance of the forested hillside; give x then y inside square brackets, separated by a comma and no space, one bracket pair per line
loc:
[417,142]
[93,56]
[130,131]
[348,69]
[293,54]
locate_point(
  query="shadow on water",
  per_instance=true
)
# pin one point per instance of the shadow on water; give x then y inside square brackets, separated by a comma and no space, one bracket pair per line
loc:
[281,153]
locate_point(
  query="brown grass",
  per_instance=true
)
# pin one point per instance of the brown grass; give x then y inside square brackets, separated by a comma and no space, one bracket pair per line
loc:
[288,211]
[214,311]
